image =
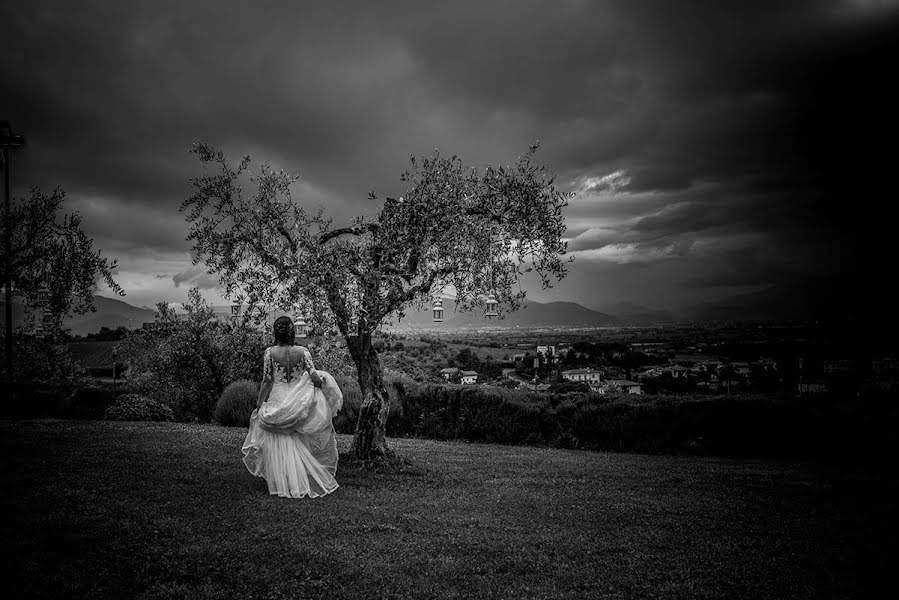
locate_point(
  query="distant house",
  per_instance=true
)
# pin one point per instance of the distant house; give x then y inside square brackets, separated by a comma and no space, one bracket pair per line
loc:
[449,373]
[546,351]
[469,377]
[741,369]
[588,375]
[648,374]
[832,367]
[811,387]
[677,371]
[623,385]
[507,373]
[767,365]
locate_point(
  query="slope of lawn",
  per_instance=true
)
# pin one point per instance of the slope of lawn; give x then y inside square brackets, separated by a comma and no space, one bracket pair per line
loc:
[151,510]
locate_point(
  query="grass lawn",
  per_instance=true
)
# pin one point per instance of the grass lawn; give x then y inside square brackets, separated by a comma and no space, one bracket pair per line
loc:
[114,510]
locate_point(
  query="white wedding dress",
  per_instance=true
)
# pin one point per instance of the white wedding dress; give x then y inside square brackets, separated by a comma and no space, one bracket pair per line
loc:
[291,442]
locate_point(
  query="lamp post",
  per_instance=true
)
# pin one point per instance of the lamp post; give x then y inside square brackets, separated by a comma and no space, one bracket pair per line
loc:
[113,369]
[8,141]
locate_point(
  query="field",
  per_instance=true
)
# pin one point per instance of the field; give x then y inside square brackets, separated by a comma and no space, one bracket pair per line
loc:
[111,510]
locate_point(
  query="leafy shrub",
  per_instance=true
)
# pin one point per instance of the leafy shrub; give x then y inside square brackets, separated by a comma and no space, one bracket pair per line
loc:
[38,362]
[88,402]
[345,421]
[134,407]
[237,403]
[744,426]
[190,360]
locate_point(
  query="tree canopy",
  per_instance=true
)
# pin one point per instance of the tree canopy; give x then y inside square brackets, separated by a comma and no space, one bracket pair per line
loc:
[51,249]
[474,231]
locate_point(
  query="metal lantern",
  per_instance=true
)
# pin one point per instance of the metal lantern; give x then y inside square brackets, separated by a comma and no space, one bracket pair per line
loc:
[235,310]
[39,330]
[491,307]
[47,318]
[438,310]
[43,293]
[300,327]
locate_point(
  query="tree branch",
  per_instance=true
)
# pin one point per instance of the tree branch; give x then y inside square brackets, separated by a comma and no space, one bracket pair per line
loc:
[354,230]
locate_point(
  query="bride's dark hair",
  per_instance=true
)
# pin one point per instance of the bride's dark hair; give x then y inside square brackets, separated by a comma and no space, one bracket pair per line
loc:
[283,329]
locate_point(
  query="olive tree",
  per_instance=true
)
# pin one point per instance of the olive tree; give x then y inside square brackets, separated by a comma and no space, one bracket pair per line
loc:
[51,262]
[472,231]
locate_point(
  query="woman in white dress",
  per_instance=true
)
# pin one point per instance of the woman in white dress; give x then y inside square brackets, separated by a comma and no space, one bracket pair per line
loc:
[291,442]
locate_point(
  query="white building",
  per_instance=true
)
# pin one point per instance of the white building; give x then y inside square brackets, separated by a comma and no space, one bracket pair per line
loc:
[589,375]
[469,377]
[449,372]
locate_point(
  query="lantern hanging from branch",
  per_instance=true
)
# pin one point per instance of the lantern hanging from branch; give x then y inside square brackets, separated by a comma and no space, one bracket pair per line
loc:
[235,310]
[300,327]
[438,310]
[43,293]
[491,306]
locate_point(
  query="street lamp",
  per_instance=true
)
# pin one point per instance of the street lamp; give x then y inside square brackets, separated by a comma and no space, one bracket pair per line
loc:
[8,140]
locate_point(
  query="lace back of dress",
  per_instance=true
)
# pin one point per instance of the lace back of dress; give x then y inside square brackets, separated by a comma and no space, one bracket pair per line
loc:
[285,373]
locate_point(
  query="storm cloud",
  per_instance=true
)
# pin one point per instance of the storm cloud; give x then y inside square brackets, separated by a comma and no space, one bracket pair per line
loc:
[711,146]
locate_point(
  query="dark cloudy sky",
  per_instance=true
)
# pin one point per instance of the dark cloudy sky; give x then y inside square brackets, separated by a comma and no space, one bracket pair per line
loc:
[714,147]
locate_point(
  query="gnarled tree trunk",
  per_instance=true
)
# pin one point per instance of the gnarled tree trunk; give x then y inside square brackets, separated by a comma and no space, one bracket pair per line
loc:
[370,440]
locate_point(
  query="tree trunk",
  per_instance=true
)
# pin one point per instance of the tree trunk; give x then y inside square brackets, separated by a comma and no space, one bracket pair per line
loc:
[370,440]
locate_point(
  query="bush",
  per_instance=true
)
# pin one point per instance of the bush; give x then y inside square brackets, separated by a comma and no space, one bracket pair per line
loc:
[134,407]
[38,363]
[188,362]
[739,426]
[88,402]
[237,403]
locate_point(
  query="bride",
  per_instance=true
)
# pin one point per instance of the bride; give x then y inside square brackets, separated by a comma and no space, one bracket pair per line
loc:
[291,442]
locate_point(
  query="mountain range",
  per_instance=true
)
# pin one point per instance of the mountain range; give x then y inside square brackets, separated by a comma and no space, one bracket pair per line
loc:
[778,303]
[532,314]
[109,313]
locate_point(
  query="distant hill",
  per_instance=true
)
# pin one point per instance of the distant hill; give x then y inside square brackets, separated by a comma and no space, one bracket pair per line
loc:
[532,314]
[109,313]
[630,312]
[818,300]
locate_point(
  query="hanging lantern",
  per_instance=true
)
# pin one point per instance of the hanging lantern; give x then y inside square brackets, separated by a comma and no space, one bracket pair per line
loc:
[235,310]
[39,330]
[43,293]
[438,310]
[491,307]
[47,318]
[300,327]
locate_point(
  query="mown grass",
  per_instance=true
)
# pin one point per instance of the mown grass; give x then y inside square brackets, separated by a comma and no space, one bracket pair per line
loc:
[152,510]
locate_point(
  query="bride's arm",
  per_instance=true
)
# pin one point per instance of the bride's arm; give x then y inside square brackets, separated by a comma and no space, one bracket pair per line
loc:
[310,368]
[266,387]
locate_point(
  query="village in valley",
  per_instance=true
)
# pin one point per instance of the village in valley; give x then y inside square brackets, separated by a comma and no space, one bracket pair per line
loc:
[784,359]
